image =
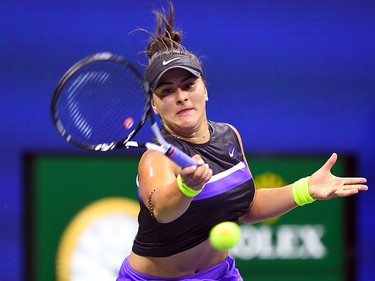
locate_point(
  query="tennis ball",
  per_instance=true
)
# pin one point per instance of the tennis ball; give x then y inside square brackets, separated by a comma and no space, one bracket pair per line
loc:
[225,235]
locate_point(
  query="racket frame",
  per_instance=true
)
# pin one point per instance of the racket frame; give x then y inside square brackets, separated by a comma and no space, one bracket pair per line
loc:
[166,148]
[70,74]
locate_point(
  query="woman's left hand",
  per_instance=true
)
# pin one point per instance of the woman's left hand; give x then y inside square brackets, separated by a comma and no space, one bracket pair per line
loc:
[323,185]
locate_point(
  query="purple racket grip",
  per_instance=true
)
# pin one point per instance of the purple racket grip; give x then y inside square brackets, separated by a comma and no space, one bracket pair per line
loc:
[180,158]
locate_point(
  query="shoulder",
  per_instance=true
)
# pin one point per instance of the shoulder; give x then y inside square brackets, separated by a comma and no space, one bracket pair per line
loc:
[222,125]
[154,160]
[154,167]
[223,128]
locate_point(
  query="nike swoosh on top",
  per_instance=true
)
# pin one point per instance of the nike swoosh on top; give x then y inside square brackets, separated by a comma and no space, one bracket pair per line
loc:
[165,62]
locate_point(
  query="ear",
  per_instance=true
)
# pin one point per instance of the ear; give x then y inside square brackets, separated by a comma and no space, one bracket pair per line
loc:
[206,94]
[154,107]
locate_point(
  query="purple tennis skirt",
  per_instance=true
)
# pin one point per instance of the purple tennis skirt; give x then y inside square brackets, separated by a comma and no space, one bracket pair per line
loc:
[224,271]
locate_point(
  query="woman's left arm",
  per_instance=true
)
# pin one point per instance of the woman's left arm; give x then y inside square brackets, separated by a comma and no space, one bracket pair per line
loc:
[322,185]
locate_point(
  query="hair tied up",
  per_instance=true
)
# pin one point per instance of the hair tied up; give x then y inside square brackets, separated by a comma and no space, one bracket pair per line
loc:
[167,38]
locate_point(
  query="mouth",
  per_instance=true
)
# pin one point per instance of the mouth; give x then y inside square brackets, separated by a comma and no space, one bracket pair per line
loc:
[184,111]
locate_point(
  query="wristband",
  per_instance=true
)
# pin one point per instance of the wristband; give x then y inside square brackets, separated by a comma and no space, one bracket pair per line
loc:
[186,190]
[300,191]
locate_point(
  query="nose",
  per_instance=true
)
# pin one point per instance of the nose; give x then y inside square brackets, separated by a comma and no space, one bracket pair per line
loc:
[181,96]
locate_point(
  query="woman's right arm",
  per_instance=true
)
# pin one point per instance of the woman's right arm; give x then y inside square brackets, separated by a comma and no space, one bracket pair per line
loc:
[158,184]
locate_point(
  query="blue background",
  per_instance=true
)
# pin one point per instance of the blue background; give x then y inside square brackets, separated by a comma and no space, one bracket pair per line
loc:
[292,76]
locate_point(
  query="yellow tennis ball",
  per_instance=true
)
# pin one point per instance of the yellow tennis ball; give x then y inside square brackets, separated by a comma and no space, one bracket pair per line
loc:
[225,235]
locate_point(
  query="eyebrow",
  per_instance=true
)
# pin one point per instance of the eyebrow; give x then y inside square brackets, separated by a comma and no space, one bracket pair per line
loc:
[182,81]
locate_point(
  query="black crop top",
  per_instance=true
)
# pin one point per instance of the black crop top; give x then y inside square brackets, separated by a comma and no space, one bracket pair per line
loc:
[226,197]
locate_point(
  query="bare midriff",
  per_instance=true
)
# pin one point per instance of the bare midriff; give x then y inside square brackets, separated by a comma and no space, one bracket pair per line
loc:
[194,260]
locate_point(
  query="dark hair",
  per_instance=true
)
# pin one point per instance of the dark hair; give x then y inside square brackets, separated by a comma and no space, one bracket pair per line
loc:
[166,39]
[165,45]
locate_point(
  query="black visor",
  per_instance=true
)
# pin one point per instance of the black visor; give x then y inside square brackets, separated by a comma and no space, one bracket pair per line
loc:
[162,64]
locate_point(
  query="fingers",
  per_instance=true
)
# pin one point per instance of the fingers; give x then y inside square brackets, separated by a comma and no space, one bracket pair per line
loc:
[351,189]
[202,172]
[197,158]
[359,187]
[196,177]
[348,181]
[330,162]
[337,187]
[354,184]
[189,170]
[345,193]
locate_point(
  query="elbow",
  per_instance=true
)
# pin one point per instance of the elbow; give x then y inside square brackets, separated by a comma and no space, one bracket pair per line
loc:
[247,218]
[162,219]
[252,216]
[164,216]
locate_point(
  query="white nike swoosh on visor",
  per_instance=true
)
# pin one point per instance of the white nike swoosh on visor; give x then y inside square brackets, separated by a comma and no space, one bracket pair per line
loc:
[165,62]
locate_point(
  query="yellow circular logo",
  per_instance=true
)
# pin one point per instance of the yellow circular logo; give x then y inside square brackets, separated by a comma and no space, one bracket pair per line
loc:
[97,240]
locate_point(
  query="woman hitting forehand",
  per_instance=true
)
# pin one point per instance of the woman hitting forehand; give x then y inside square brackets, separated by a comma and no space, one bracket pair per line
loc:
[179,207]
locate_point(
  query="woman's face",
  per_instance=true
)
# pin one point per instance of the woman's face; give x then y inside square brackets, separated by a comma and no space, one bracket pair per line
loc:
[180,100]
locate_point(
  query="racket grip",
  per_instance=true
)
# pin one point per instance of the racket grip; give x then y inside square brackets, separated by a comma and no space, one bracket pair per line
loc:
[180,158]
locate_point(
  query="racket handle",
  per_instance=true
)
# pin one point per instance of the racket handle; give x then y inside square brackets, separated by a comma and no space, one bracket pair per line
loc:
[180,158]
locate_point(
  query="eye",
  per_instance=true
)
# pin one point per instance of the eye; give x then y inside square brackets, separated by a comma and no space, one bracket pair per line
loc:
[189,85]
[165,91]
[168,91]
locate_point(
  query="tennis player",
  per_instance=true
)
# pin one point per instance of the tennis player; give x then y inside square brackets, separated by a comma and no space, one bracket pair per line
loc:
[178,207]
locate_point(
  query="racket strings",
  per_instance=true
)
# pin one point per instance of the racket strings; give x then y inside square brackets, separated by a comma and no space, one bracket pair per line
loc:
[97,100]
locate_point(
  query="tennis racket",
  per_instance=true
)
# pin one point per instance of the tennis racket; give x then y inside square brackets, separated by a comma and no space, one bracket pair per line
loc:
[102,102]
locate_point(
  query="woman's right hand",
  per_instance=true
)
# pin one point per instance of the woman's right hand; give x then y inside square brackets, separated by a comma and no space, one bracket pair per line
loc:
[196,177]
